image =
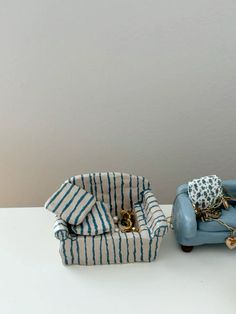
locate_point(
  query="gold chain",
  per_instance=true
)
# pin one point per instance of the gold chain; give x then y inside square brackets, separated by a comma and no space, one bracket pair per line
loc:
[128,221]
[231,229]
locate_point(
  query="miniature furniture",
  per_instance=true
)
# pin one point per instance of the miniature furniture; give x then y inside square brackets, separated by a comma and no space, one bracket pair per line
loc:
[191,232]
[119,191]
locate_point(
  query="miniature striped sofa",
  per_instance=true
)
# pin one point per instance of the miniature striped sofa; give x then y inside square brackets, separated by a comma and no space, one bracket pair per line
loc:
[118,191]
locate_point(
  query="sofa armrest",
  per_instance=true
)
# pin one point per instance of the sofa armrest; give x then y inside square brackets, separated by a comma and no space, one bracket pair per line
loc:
[183,216]
[61,231]
[154,216]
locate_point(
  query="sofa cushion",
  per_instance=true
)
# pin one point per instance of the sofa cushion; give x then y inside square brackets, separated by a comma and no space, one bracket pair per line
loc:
[98,221]
[71,203]
[228,216]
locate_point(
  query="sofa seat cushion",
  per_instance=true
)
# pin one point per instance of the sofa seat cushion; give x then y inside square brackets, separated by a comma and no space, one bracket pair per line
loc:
[98,221]
[228,216]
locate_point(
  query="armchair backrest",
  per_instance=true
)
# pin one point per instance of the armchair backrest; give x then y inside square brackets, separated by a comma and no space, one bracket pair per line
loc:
[119,190]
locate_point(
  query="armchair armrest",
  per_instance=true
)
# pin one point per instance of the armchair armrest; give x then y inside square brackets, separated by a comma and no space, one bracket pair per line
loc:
[183,215]
[60,230]
[230,187]
[155,218]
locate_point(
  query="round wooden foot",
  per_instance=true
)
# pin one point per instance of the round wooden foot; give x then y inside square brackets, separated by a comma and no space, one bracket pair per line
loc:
[186,249]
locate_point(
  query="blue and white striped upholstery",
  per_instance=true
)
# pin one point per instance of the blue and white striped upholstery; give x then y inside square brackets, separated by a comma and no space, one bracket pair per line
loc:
[118,191]
[153,216]
[61,230]
[71,203]
[98,221]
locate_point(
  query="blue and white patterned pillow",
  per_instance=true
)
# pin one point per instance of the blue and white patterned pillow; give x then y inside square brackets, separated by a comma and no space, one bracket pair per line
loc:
[98,221]
[71,203]
[205,191]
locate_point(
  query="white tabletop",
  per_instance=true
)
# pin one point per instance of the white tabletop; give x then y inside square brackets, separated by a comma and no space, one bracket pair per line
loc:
[33,279]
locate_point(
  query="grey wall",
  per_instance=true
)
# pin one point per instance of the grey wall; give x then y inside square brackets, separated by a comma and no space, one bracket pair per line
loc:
[146,87]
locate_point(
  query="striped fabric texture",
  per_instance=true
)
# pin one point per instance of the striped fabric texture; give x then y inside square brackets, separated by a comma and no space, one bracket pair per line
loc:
[116,248]
[98,221]
[118,191]
[150,213]
[60,229]
[71,203]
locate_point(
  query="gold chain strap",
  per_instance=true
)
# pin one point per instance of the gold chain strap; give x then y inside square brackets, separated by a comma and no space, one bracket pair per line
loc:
[127,222]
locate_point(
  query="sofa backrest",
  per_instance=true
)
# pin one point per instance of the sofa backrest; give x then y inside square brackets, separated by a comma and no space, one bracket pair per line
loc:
[119,190]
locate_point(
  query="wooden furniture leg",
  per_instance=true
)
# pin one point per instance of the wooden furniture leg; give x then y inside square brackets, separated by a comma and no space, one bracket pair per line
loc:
[186,249]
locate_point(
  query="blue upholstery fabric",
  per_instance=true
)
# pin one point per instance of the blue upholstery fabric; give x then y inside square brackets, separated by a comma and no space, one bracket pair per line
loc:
[228,216]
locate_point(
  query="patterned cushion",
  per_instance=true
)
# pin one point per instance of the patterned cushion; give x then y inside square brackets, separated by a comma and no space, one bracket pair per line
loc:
[98,221]
[205,191]
[71,203]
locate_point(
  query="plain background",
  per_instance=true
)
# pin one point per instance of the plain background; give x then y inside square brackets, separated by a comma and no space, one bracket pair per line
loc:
[145,87]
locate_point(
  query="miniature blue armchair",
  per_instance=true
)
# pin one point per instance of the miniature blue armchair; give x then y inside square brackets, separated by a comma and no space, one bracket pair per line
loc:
[191,232]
